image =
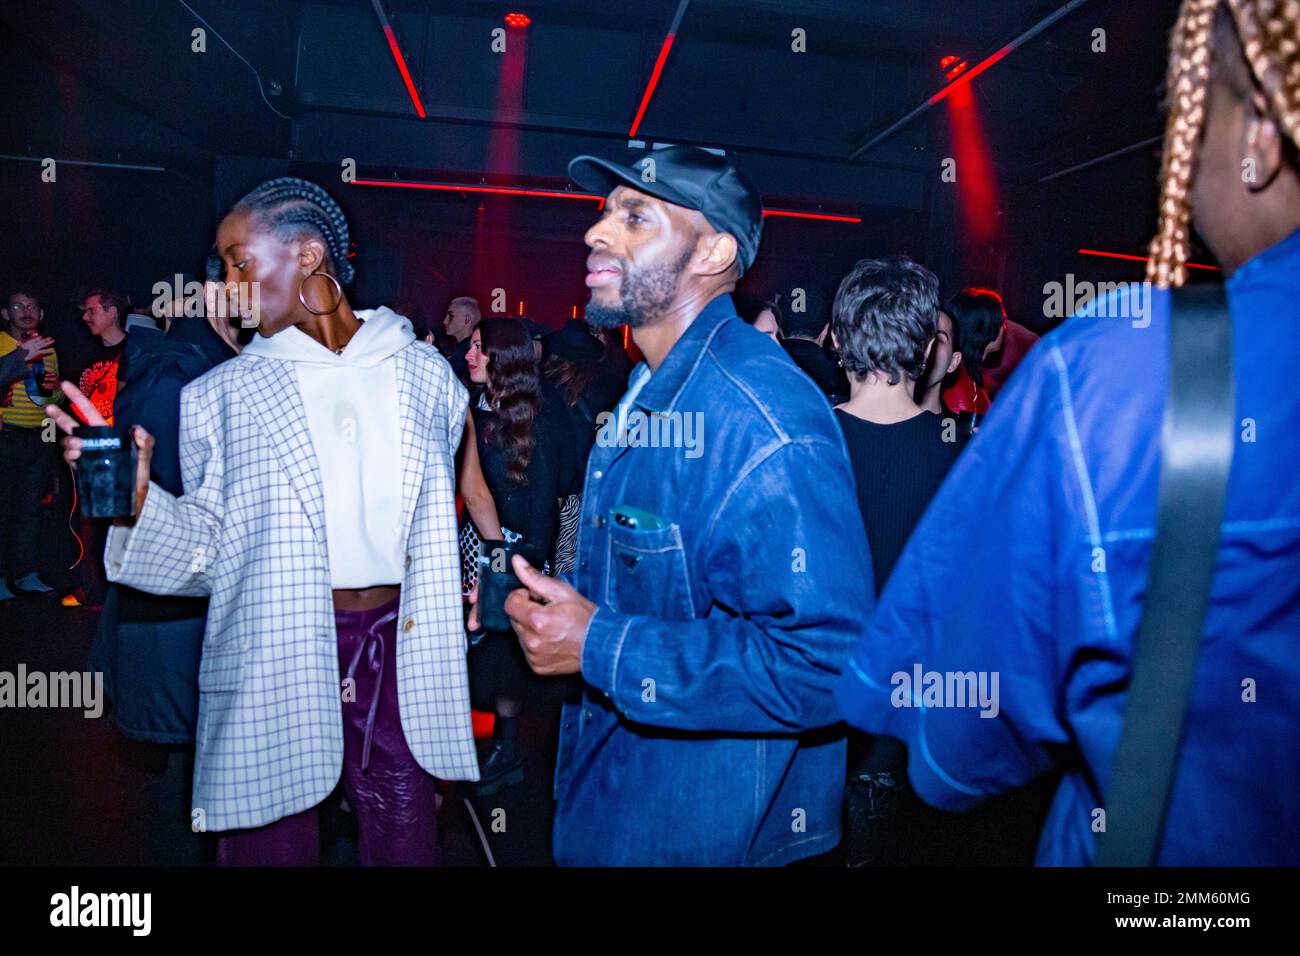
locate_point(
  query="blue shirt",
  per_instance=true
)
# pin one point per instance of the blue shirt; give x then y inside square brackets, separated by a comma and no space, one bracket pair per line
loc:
[1031,564]
[706,730]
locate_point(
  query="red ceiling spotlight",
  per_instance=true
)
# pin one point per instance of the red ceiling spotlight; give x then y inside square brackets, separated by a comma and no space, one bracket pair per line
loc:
[518,20]
[953,67]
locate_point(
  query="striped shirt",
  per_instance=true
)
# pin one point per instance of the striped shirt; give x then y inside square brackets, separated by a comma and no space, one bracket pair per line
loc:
[17,407]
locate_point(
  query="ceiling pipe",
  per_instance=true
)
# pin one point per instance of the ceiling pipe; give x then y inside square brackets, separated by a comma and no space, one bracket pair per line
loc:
[1100,159]
[86,162]
[969,75]
[243,59]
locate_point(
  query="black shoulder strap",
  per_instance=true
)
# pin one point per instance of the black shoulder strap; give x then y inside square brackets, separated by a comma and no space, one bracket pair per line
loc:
[1197,439]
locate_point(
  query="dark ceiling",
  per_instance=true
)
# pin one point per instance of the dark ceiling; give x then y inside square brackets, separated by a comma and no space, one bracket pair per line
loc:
[312,82]
[731,80]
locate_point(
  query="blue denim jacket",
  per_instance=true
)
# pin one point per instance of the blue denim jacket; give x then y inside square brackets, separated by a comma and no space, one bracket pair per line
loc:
[707,733]
[1051,512]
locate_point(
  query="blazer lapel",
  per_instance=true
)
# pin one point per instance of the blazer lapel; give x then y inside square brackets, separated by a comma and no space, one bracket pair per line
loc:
[274,395]
[414,408]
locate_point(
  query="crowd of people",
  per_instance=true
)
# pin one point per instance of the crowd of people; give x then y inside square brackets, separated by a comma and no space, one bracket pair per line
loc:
[535,398]
[731,557]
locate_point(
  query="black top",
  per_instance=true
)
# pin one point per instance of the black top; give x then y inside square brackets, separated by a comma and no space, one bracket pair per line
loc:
[897,468]
[609,383]
[96,373]
[819,367]
[153,370]
[582,427]
[532,508]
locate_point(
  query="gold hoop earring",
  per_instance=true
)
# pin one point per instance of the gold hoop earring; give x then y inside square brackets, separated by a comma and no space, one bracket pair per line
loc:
[337,288]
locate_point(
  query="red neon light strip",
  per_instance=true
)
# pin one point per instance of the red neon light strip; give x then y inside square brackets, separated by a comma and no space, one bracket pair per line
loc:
[969,75]
[810,215]
[496,190]
[562,194]
[654,81]
[401,66]
[1120,255]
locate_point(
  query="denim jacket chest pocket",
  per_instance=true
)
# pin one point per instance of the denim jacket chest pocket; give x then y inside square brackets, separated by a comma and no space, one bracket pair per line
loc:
[646,573]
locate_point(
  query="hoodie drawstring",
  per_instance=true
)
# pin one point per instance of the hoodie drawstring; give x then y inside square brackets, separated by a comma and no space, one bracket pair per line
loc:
[373,641]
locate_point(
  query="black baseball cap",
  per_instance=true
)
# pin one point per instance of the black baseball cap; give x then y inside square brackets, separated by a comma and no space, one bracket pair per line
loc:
[686,176]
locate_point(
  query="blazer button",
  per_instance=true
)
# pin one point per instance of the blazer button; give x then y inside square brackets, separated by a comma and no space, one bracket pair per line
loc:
[410,623]
[408,560]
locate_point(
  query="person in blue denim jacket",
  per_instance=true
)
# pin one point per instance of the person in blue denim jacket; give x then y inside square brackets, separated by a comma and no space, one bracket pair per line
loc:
[722,574]
[1054,504]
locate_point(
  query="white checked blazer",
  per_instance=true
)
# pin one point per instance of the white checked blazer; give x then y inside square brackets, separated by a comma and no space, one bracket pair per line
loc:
[250,532]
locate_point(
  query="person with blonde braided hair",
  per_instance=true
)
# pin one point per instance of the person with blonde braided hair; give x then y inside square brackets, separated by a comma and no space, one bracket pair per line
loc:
[1055,501]
[319,474]
[1231,167]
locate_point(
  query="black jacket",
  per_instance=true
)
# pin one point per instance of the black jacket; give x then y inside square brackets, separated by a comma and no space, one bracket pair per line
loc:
[147,645]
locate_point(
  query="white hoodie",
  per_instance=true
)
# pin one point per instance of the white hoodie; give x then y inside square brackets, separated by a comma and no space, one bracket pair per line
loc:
[352,411]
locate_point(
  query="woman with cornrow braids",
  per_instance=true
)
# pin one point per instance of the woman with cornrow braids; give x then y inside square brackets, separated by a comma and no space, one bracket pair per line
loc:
[319,515]
[1056,500]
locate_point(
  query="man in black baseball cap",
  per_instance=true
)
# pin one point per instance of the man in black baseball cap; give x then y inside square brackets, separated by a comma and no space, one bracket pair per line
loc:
[680,227]
[713,598]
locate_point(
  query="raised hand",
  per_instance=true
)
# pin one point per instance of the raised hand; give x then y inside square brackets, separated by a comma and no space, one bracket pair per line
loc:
[72,444]
[37,348]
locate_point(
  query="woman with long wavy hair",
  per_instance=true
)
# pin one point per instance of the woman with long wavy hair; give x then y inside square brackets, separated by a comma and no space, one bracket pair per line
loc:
[522,445]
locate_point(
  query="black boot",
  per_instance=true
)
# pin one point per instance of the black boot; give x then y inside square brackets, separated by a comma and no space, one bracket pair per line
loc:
[502,768]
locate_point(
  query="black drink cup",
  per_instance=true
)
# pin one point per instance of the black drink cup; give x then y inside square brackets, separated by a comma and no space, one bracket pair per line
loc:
[496,579]
[105,472]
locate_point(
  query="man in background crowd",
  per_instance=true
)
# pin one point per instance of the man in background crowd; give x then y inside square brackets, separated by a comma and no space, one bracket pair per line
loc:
[104,314]
[25,460]
[463,315]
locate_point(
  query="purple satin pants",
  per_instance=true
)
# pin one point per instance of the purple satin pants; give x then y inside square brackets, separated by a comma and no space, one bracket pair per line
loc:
[395,800]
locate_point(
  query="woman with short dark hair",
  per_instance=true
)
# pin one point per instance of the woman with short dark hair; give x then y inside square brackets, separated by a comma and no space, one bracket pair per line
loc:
[884,322]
